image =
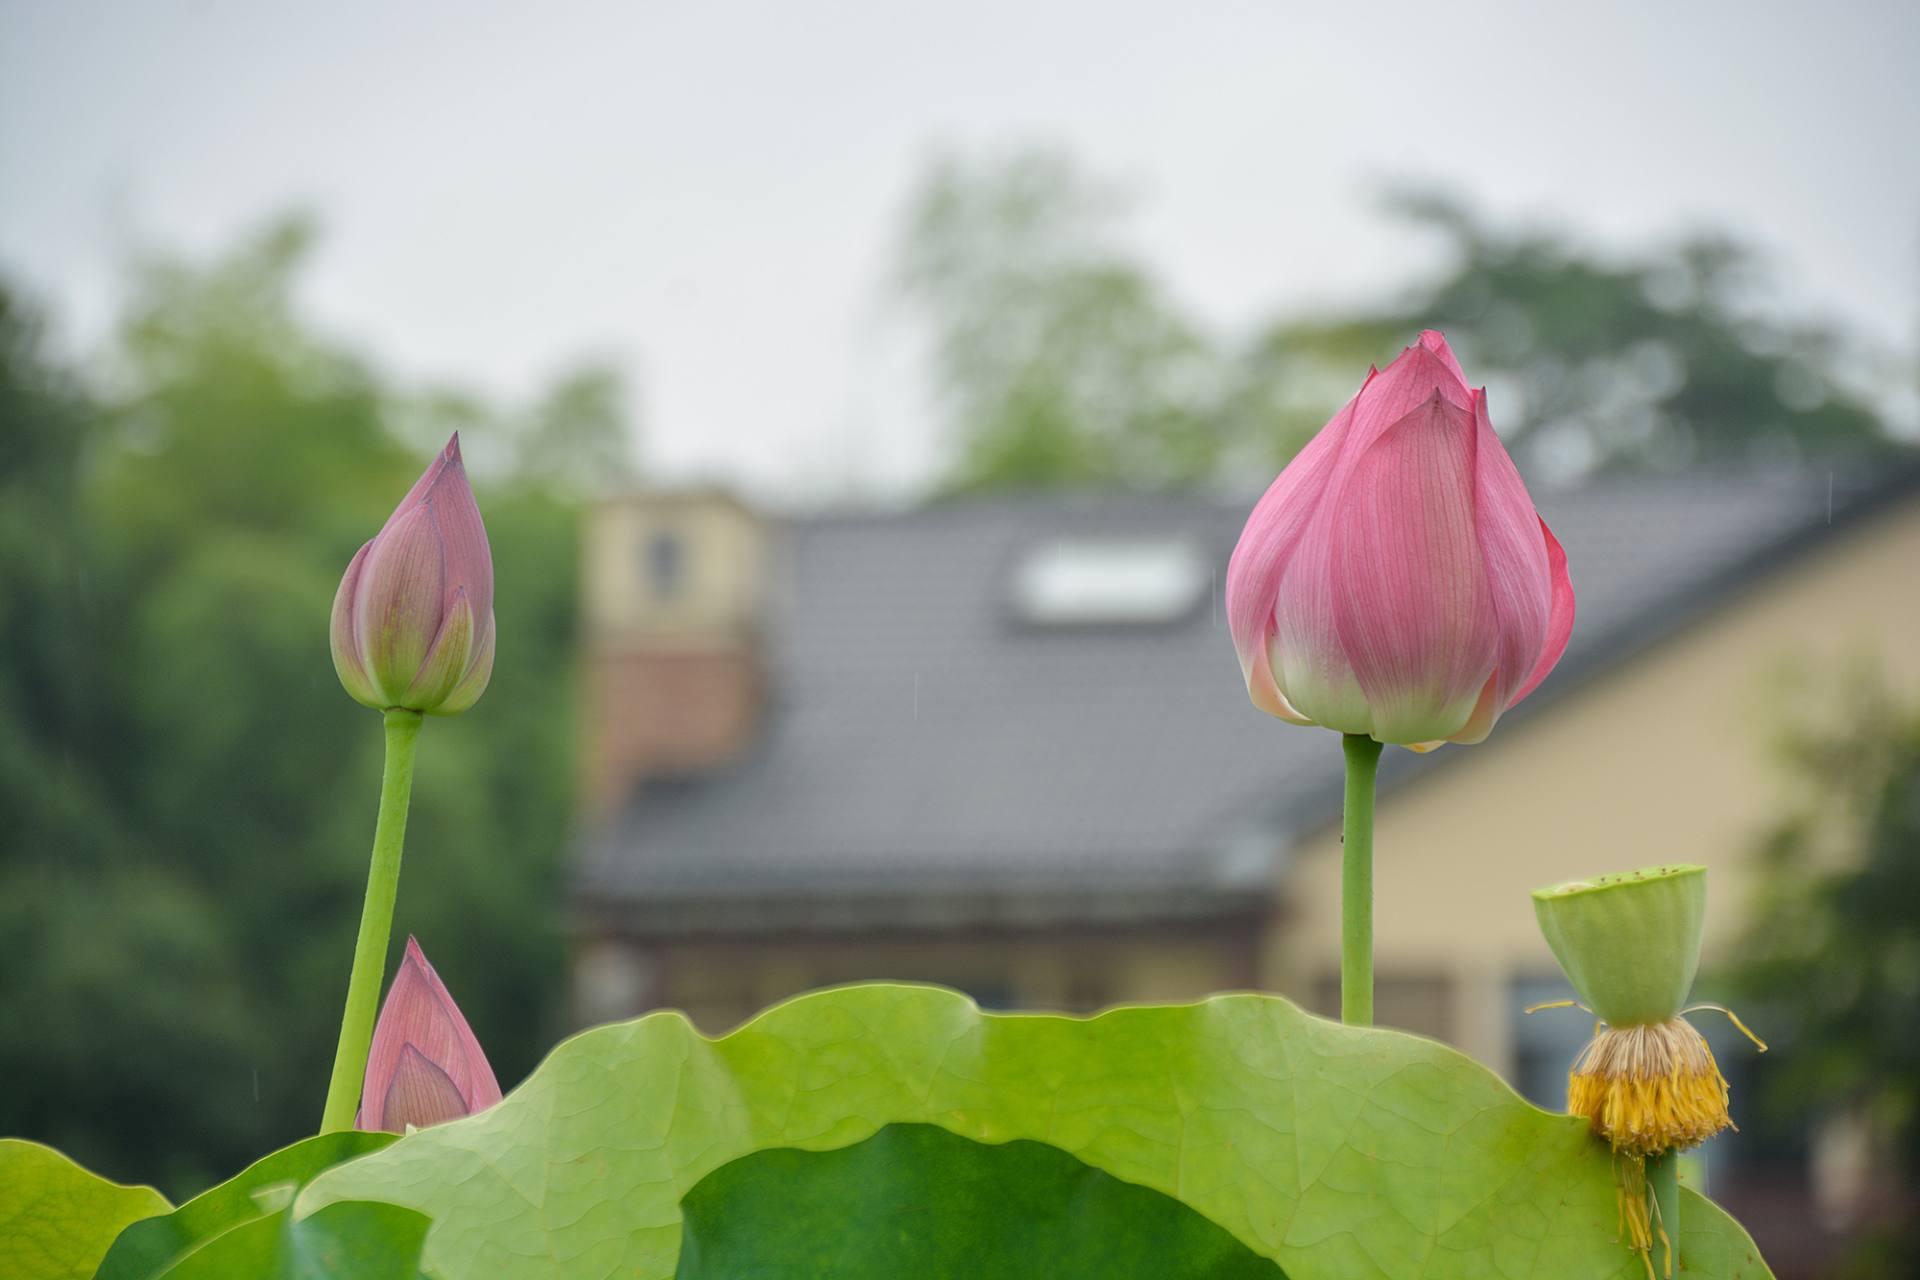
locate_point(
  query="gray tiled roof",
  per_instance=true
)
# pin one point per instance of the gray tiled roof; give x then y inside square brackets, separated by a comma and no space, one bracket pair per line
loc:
[924,751]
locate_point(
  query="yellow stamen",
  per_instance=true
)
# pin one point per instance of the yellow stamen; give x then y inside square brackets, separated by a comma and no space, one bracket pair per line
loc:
[1630,1195]
[1650,1089]
[1732,1017]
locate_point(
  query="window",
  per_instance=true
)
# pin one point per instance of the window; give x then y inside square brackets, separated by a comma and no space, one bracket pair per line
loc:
[1546,1043]
[1081,582]
[665,565]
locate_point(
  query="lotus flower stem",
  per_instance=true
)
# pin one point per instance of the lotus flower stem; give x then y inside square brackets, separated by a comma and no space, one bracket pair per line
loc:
[1356,882]
[1663,1184]
[376,923]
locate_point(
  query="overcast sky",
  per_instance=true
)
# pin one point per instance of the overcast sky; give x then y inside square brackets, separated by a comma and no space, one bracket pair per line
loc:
[710,192]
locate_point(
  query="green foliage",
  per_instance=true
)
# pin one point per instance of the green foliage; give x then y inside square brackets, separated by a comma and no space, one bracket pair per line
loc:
[1832,954]
[1649,360]
[1334,1151]
[58,1219]
[147,1249]
[58,631]
[916,1200]
[571,439]
[1063,362]
[189,794]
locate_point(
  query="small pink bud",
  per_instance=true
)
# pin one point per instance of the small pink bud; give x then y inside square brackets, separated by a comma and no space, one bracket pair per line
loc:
[413,619]
[425,1066]
[1396,580]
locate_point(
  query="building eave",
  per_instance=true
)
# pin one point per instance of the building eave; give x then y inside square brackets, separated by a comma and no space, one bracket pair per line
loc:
[926,910]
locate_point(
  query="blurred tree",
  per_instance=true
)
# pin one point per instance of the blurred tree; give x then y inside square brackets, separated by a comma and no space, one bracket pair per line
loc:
[231,414]
[56,610]
[1832,952]
[1653,360]
[575,437]
[573,440]
[189,794]
[1062,362]
[113,966]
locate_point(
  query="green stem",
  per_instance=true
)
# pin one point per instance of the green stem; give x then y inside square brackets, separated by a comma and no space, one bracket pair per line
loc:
[1663,1184]
[1356,882]
[376,924]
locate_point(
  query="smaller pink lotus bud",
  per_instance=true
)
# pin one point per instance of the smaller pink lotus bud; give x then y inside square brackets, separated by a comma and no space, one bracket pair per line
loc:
[425,1066]
[413,619]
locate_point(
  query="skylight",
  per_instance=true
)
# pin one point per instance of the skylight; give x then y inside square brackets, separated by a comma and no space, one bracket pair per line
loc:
[1081,582]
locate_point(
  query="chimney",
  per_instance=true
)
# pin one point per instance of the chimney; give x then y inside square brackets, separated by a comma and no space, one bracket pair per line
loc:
[673,590]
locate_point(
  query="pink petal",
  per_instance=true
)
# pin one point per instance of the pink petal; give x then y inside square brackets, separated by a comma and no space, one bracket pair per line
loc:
[1308,660]
[1486,711]
[463,536]
[474,682]
[447,661]
[1260,559]
[1559,619]
[397,604]
[419,1094]
[1413,378]
[447,457]
[1436,342]
[420,1014]
[1519,581]
[1411,603]
[344,638]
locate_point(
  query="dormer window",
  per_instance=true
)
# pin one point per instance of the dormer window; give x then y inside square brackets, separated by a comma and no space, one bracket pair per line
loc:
[1110,581]
[666,565]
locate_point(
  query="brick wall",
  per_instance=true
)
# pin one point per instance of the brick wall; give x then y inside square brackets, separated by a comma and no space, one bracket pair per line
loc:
[664,711]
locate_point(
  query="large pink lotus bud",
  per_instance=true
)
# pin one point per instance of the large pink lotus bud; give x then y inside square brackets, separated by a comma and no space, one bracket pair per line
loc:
[413,619]
[1396,580]
[425,1066]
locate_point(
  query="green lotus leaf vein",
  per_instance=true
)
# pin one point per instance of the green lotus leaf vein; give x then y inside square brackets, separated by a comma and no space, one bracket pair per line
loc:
[1337,1152]
[916,1200]
[56,1218]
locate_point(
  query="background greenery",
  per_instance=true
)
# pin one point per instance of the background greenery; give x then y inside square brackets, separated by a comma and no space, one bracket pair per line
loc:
[1833,956]
[1062,361]
[189,795]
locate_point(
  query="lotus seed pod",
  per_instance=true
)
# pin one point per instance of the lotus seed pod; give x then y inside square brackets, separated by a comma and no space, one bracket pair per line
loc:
[1629,942]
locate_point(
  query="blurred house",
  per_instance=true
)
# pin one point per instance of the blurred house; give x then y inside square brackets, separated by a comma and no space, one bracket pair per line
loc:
[1004,745]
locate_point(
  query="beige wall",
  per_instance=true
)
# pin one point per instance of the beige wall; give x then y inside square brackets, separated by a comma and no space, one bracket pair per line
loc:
[1664,758]
[652,711]
[724,569]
